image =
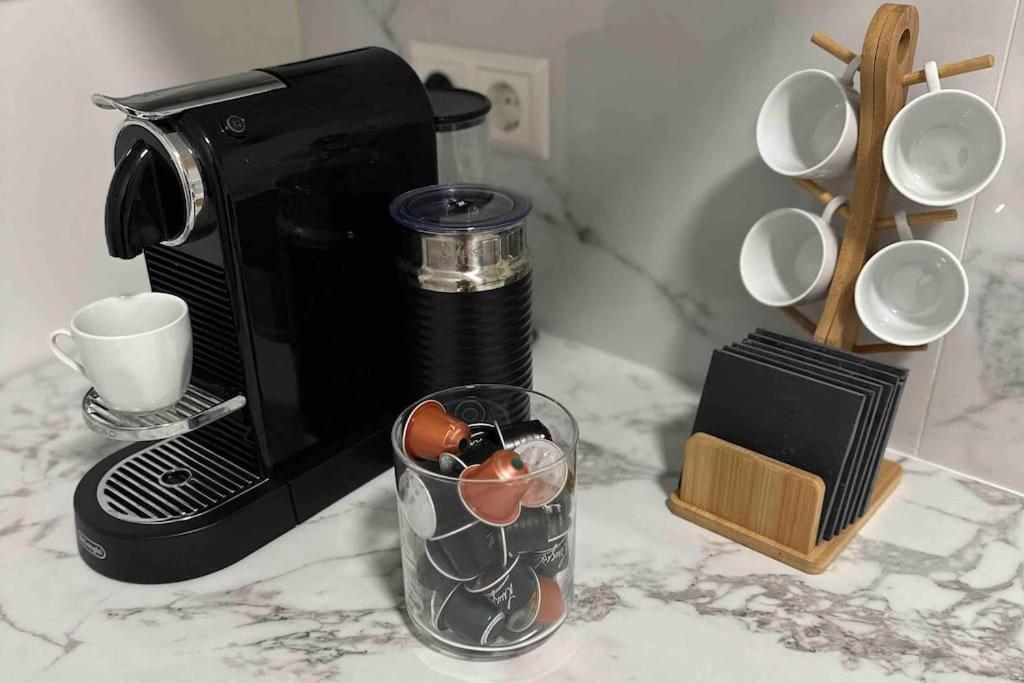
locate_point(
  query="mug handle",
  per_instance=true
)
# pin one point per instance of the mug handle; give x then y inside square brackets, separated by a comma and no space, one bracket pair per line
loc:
[902,226]
[853,67]
[931,76]
[61,355]
[831,208]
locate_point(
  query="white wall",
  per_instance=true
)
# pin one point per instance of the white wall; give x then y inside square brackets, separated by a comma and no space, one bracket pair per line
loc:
[55,147]
[654,177]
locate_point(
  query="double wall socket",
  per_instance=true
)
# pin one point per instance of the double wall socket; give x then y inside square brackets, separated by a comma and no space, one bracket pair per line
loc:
[516,85]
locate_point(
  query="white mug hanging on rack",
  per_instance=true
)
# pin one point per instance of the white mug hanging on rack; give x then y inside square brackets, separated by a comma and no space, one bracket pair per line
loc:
[943,147]
[807,126]
[912,292]
[789,255]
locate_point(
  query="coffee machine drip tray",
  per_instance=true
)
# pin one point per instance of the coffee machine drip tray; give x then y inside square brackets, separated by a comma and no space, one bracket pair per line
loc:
[195,409]
[172,481]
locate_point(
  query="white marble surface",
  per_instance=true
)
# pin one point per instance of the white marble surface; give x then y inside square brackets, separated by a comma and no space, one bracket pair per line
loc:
[654,177]
[932,590]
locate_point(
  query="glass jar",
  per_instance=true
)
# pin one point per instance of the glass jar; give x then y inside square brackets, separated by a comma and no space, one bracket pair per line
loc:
[460,123]
[487,511]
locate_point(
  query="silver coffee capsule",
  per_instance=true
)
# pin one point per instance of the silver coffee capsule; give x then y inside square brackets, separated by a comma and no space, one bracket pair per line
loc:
[432,508]
[546,486]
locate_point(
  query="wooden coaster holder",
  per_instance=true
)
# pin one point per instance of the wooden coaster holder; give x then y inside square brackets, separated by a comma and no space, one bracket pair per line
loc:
[748,497]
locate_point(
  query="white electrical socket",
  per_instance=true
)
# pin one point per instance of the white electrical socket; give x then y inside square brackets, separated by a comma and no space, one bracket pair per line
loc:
[517,86]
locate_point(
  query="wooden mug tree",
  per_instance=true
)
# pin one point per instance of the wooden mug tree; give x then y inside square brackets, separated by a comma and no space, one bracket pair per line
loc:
[748,497]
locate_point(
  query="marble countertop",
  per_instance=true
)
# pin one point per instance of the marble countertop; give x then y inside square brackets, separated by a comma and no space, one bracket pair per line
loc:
[932,590]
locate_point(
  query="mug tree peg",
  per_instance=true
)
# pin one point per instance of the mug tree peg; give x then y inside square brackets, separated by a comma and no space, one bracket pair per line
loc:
[953,69]
[833,47]
[886,223]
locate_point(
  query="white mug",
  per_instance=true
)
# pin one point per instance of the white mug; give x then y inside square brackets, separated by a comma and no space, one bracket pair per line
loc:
[943,147]
[136,350]
[807,127]
[789,255]
[911,292]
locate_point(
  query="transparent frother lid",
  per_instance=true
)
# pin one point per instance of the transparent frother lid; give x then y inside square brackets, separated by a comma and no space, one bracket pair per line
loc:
[459,209]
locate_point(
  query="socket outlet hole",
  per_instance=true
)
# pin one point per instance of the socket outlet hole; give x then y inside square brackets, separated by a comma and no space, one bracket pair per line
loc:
[507,110]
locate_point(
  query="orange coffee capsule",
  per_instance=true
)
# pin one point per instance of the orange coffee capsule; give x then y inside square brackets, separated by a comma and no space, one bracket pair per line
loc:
[493,490]
[430,431]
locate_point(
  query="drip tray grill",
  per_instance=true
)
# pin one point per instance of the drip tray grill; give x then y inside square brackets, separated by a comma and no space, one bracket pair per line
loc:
[196,409]
[172,481]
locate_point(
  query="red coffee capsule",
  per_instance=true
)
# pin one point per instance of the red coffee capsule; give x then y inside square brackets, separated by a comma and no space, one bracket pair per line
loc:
[430,431]
[493,490]
[552,604]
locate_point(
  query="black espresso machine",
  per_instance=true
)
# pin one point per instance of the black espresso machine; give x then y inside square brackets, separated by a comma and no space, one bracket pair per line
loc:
[262,200]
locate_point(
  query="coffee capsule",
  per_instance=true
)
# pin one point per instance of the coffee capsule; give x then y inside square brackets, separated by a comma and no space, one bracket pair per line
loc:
[470,617]
[431,507]
[526,615]
[552,604]
[510,588]
[549,561]
[479,449]
[428,576]
[548,462]
[517,433]
[464,554]
[450,465]
[532,531]
[430,431]
[514,589]
[559,516]
[485,430]
[492,491]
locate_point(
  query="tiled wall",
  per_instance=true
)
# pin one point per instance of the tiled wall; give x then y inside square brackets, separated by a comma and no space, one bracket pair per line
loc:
[654,179]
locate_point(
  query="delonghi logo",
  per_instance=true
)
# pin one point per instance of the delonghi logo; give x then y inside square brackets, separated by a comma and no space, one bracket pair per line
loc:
[92,547]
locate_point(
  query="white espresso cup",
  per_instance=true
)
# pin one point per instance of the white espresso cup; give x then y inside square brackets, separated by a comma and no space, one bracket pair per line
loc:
[911,292]
[807,127]
[136,350]
[943,147]
[789,255]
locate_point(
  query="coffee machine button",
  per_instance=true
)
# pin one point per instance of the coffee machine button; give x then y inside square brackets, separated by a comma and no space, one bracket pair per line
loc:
[235,125]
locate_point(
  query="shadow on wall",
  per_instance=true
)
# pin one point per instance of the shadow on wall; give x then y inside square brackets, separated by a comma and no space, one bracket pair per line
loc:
[662,170]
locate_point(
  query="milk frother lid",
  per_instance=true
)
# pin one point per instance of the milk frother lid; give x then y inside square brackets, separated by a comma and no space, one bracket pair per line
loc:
[456,109]
[459,209]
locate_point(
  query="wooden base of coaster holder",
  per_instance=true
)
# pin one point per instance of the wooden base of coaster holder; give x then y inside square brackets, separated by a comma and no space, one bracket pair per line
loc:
[764,504]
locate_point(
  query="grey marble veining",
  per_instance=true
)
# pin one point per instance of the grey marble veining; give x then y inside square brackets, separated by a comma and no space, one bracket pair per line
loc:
[932,590]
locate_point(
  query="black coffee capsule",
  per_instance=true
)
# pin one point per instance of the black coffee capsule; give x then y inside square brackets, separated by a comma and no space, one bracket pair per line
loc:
[479,450]
[450,465]
[512,589]
[485,430]
[549,561]
[464,554]
[517,433]
[530,532]
[432,508]
[526,615]
[428,575]
[470,617]
[559,515]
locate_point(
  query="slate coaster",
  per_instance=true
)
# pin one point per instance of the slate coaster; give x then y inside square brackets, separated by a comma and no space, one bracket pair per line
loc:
[884,371]
[866,441]
[795,419]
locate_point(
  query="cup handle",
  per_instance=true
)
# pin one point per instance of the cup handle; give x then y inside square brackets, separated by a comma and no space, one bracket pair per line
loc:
[61,355]
[931,75]
[831,208]
[853,67]
[902,226]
